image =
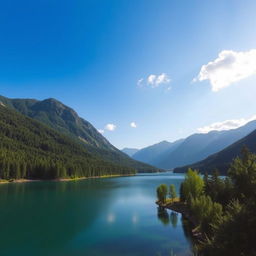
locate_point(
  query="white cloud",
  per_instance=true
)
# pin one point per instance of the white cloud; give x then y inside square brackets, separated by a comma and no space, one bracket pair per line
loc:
[151,79]
[140,81]
[110,127]
[156,80]
[101,131]
[229,67]
[163,79]
[133,125]
[226,125]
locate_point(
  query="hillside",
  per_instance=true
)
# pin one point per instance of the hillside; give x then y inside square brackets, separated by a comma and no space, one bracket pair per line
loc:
[29,149]
[65,120]
[222,159]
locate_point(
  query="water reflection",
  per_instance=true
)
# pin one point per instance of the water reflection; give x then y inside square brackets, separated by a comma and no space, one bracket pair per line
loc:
[166,218]
[163,215]
[174,219]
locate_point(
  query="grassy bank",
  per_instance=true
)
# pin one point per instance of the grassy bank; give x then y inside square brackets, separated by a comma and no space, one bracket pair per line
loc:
[3,181]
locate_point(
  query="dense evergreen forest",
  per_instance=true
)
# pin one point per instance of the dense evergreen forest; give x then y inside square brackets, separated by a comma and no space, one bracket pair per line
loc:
[31,150]
[65,120]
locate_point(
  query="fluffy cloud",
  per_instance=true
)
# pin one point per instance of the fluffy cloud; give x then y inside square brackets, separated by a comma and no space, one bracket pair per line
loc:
[133,125]
[229,67]
[110,127]
[151,79]
[101,131]
[162,79]
[225,125]
[156,80]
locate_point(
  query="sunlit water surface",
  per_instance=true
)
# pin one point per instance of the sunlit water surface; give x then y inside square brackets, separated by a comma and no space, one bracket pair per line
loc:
[110,217]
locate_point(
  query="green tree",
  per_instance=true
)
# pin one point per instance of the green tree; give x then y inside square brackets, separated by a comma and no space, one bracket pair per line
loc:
[220,190]
[193,185]
[162,193]
[206,183]
[234,232]
[243,175]
[182,195]
[206,212]
[172,193]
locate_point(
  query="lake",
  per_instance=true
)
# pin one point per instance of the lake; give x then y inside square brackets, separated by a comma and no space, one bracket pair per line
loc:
[94,217]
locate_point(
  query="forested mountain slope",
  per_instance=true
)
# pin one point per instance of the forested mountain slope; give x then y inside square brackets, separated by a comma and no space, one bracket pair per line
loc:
[29,149]
[65,120]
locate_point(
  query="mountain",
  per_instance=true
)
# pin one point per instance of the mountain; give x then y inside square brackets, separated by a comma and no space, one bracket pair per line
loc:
[63,119]
[222,159]
[59,117]
[199,146]
[30,149]
[154,153]
[130,151]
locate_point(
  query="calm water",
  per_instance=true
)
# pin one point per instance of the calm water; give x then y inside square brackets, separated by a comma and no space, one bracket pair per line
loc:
[110,217]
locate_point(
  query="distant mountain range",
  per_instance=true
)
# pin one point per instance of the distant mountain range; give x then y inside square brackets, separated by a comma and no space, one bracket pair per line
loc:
[65,120]
[221,160]
[155,153]
[192,149]
[130,151]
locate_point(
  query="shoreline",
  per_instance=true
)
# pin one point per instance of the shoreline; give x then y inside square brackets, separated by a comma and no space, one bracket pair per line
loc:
[63,179]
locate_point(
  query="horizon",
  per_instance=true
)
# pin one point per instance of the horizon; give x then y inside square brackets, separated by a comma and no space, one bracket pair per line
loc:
[140,72]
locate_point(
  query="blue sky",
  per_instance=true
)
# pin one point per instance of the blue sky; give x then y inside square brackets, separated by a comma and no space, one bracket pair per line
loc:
[91,54]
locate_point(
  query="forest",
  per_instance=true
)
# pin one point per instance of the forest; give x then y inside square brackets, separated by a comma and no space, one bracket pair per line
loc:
[31,150]
[66,121]
[222,209]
